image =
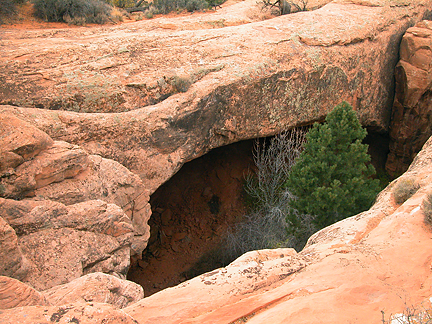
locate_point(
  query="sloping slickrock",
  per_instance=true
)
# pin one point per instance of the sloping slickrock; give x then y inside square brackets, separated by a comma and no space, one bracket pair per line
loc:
[232,83]
[412,111]
[349,272]
[13,263]
[64,242]
[20,141]
[82,313]
[96,287]
[14,293]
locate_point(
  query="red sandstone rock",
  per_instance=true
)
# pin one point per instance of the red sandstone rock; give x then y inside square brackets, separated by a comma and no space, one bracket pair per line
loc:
[56,172]
[83,313]
[19,141]
[14,293]
[96,287]
[13,263]
[59,162]
[411,116]
[59,241]
[110,181]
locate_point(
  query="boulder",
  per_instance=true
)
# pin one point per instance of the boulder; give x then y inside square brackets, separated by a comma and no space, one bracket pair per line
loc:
[258,79]
[20,141]
[59,241]
[96,287]
[412,113]
[14,293]
[110,181]
[83,313]
[59,171]
[59,162]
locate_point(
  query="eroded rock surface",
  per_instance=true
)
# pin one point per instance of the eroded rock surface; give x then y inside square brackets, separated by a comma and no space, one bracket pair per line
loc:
[20,142]
[14,293]
[96,287]
[232,83]
[64,242]
[62,229]
[14,264]
[412,109]
[95,313]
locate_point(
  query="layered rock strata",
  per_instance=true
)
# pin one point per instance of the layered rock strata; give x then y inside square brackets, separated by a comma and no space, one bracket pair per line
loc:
[257,79]
[412,108]
[65,213]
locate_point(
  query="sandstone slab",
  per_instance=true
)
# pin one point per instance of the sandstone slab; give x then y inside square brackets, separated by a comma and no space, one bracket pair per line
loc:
[59,241]
[84,313]
[64,172]
[59,162]
[96,287]
[19,141]
[14,293]
[14,263]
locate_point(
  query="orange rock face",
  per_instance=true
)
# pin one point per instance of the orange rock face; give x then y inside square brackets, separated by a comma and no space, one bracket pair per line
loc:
[14,293]
[96,287]
[84,313]
[412,114]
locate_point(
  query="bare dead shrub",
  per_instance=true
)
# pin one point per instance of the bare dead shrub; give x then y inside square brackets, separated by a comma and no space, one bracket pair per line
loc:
[266,224]
[285,6]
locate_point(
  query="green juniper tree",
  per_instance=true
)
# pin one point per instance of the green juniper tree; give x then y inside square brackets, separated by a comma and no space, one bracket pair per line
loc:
[331,178]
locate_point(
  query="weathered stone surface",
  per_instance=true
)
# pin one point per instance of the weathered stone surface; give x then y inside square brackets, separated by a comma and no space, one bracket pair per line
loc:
[59,162]
[348,272]
[64,242]
[83,313]
[13,263]
[258,79]
[412,111]
[14,293]
[96,287]
[64,172]
[19,141]
[110,181]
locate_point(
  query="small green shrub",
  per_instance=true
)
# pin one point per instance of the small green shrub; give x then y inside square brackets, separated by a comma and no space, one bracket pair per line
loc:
[404,189]
[76,12]
[427,209]
[332,177]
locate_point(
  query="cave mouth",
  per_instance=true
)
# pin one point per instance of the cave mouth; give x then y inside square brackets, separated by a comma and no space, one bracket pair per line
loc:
[193,210]
[190,215]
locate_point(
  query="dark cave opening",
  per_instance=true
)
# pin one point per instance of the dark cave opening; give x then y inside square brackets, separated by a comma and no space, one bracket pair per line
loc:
[190,214]
[193,210]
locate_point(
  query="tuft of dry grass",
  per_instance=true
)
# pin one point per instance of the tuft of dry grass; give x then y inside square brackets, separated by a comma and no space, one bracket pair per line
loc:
[427,209]
[404,189]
